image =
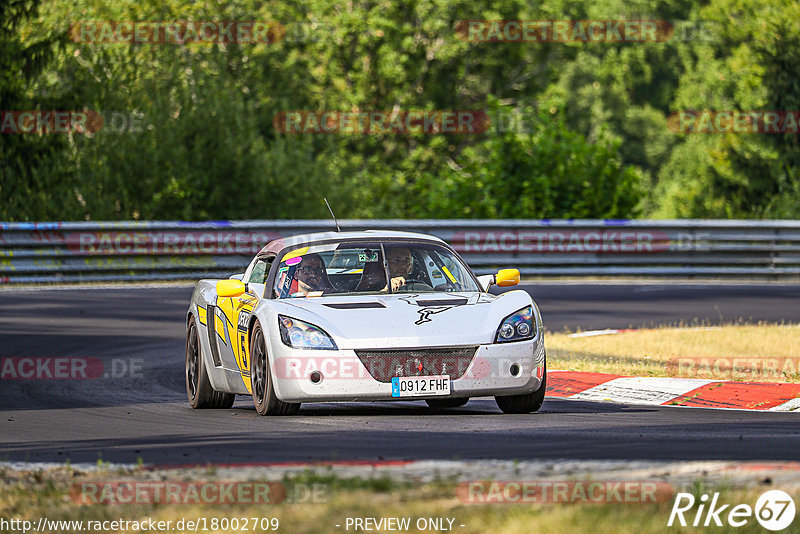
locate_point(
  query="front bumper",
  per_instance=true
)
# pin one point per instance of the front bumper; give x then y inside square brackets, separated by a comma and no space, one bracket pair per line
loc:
[345,378]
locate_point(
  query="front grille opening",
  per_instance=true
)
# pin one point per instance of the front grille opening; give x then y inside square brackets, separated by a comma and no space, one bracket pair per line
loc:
[383,365]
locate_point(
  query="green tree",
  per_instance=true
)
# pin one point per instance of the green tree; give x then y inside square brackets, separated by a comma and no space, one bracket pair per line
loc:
[750,66]
[34,170]
[537,168]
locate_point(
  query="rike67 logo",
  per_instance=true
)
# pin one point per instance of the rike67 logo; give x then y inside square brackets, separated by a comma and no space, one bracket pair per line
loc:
[774,510]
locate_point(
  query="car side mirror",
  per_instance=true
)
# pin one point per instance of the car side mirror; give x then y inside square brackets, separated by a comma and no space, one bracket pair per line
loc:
[230,288]
[503,278]
[239,276]
[507,277]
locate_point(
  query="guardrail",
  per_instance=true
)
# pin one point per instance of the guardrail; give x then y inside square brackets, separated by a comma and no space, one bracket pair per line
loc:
[151,250]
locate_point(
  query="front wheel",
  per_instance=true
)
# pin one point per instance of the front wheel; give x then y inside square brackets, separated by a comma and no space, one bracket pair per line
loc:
[528,403]
[267,403]
[198,387]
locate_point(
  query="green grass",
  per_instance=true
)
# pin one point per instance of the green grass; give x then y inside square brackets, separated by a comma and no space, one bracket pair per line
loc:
[30,496]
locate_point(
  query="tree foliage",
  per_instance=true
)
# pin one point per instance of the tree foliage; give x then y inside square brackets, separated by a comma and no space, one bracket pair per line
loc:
[189,133]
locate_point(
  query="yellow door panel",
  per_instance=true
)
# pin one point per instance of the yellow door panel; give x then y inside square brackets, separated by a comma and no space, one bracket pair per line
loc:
[238,310]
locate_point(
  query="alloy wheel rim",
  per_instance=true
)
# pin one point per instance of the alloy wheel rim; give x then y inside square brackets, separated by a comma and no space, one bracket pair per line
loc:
[260,368]
[191,368]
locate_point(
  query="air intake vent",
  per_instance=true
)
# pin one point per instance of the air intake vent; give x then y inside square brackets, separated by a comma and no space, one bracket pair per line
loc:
[442,302]
[211,319]
[355,305]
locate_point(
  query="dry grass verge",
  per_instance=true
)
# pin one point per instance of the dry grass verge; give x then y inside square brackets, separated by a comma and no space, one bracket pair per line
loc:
[761,352]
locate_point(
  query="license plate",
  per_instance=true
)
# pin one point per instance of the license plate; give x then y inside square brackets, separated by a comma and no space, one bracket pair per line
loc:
[420,386]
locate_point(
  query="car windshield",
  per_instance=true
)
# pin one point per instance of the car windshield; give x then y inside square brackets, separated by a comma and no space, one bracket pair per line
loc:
[359,267]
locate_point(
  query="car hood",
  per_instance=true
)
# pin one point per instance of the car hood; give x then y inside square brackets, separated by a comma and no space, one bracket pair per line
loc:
[406,320]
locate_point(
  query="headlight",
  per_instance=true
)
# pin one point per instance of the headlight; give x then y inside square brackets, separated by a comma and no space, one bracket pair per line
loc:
[300,335]
[517,327]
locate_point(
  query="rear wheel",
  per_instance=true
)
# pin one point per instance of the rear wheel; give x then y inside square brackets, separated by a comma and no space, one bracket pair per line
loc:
[438,404]
[198,387]
[261,379]
[524,403]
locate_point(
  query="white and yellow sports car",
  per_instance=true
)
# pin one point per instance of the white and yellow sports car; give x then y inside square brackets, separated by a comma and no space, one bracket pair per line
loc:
[363,316]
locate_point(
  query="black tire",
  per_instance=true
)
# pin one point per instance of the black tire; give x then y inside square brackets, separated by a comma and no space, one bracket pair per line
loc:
[198,387]
[528,403]
[439,404]
[261,379]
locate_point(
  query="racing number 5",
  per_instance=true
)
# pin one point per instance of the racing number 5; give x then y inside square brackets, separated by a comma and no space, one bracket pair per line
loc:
[243,348]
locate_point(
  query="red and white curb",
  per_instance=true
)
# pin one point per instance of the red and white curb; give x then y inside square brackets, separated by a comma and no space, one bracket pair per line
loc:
[664,391]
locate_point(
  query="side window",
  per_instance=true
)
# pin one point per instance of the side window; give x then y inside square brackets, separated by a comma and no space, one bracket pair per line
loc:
[267,267]
[261,271]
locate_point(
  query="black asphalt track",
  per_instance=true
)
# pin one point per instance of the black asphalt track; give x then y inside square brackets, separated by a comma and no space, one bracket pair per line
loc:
[139,333]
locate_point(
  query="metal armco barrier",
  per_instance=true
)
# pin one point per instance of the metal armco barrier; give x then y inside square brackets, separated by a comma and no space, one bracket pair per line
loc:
[120,251]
